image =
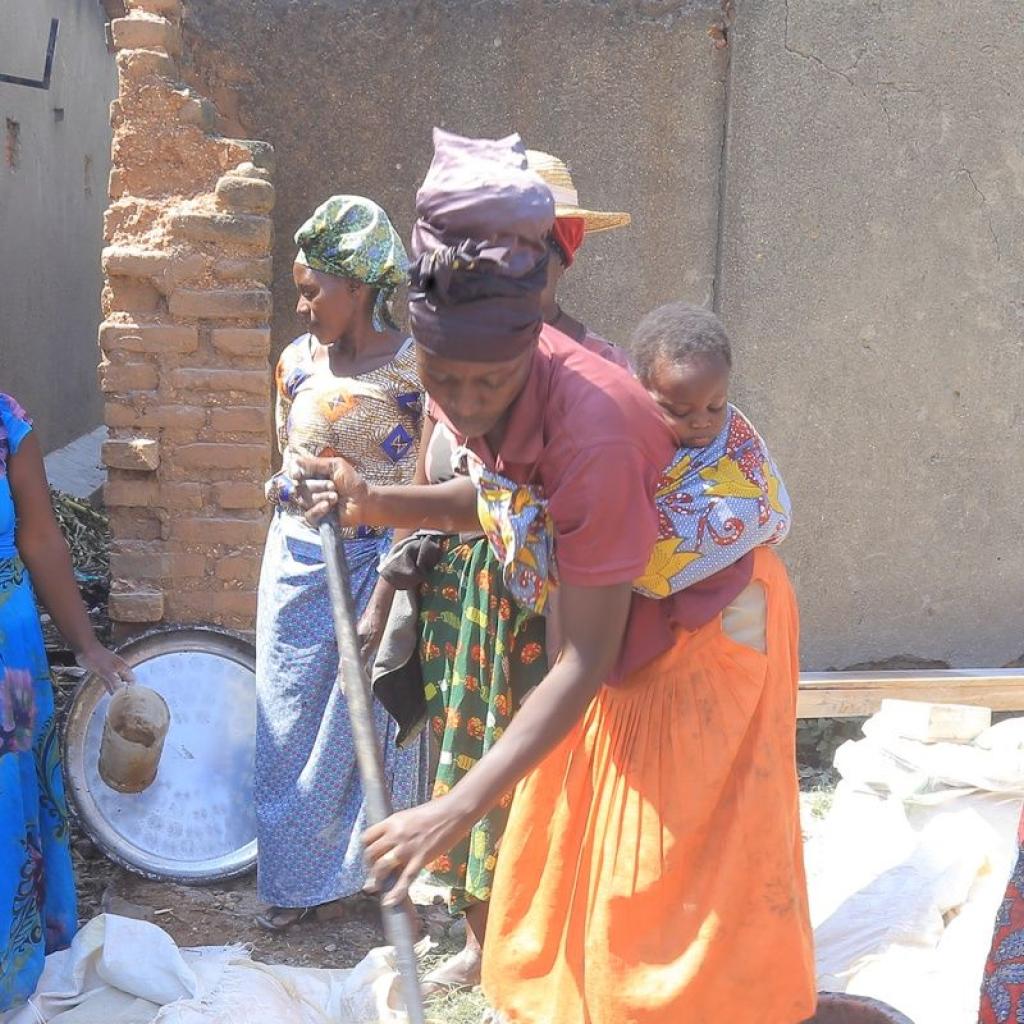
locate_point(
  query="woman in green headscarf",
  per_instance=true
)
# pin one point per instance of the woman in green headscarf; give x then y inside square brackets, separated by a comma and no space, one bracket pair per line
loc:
[348,387]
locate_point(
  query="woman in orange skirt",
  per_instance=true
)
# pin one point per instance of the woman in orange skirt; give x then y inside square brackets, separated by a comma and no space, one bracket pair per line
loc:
[651,871]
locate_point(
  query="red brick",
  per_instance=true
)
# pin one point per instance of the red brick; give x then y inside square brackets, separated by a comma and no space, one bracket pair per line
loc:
[181,495]
[153,338]
[224,229]
[116,184]
[232,495]
[134,66]
[143,562]
[135,524]
[211,605]
[239,568]
[180,417]
[241,419]
[168,8]
[207,455]
[190,606]
[246,195]
[139,454]
[235,602]
[127,377]
[239,341]
[127,262]
[164,269]
[218,530]
[148,494]
[145,32]
[245,270]
[115,415]
[253,382]
[222,303]
[142,493]
[141,605]
[130,295]
[185,565]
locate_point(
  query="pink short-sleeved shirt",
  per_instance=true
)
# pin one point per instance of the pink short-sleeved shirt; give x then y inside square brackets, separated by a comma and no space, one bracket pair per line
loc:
[587,433]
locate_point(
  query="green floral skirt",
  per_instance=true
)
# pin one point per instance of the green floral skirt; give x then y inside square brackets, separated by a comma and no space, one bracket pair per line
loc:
[480,654]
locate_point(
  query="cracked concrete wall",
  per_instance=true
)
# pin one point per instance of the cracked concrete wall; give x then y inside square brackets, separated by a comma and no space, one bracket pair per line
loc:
[865,249]
[53,176]
[630,93]
[872,279]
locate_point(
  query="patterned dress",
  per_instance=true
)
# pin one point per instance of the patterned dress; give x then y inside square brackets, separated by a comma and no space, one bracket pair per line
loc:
[479,652]
[37,889]
[309,802]
[1002,990]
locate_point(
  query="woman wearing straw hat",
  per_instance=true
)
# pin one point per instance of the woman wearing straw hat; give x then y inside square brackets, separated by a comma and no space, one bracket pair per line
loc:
[572,225]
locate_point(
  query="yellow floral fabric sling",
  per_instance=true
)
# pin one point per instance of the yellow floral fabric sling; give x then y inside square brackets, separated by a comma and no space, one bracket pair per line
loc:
[714,505]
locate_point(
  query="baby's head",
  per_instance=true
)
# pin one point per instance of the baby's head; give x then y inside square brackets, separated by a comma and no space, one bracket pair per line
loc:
[683,358]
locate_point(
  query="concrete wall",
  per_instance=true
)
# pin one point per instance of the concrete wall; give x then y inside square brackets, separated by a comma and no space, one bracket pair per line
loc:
[873,279]
[864,252]
[53,191]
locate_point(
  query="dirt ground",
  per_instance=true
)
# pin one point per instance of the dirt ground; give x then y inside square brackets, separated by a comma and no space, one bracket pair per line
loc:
[225,913]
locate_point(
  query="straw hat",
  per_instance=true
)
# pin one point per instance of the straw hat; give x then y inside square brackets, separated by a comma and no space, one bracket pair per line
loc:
[567,201]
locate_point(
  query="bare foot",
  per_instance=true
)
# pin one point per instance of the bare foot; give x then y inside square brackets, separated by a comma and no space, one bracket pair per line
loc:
[456,974]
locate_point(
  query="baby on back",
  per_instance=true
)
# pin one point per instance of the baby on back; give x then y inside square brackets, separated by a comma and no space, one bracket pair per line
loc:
[722,494]
[719,497]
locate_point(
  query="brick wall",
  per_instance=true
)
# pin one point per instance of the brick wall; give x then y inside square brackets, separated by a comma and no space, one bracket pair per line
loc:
[185,342]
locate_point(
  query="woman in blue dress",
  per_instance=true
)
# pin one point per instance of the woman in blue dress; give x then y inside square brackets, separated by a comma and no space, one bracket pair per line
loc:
[37,889]
[347,387]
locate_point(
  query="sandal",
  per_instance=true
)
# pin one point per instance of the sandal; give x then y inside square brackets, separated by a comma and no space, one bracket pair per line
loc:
[280,919]
[435,984]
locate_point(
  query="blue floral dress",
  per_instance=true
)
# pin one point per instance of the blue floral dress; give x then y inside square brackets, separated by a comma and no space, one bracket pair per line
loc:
[310,812]
[37,888]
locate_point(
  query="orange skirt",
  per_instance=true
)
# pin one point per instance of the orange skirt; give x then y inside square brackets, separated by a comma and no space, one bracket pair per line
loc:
[652,869]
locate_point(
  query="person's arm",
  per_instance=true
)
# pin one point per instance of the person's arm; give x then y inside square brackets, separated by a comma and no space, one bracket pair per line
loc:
[593,624]
[374,619]
[44,551]
[334,483]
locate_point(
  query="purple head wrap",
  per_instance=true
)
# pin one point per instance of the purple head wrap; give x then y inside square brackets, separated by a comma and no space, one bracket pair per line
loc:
[479,252]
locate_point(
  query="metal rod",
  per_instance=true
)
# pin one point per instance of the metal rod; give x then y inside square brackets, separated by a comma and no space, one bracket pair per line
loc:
[355,684]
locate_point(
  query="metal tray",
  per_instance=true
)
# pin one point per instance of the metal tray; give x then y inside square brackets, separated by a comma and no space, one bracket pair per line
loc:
[196,823]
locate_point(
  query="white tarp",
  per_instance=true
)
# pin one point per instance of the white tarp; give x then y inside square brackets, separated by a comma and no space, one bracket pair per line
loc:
[909,869]
[121,971]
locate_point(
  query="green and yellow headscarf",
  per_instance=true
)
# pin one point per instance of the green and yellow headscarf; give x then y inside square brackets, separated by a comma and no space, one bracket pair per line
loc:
[349,236]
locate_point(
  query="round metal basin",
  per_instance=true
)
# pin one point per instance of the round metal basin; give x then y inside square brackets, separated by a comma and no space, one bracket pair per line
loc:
[196,822]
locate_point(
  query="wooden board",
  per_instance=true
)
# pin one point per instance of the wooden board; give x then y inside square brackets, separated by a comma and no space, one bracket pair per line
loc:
[859,694]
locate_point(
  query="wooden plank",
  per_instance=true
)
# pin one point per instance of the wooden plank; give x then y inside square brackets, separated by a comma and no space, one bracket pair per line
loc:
[860,694]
